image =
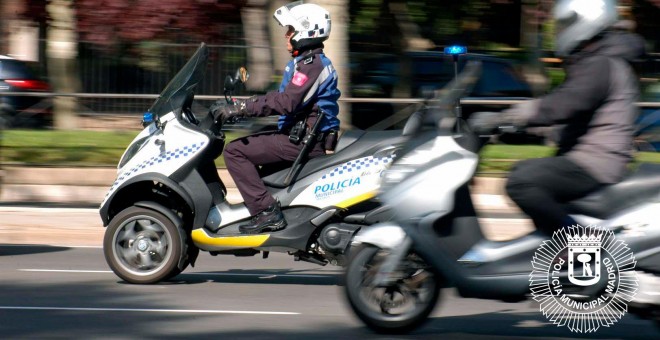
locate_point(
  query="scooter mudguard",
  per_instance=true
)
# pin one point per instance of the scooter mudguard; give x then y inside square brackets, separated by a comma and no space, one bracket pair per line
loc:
[387,235]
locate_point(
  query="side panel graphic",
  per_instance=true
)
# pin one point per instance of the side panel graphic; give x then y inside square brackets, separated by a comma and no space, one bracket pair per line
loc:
[349,183]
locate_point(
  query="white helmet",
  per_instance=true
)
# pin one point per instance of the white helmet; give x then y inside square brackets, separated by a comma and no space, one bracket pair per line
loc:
[311,23]
[577,21]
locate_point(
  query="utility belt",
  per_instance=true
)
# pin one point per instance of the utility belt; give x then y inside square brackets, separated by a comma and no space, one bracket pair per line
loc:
[298,132]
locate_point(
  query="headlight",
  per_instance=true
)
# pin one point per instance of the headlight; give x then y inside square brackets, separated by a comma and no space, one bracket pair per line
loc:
[406,166]
[396,175]
[132,150]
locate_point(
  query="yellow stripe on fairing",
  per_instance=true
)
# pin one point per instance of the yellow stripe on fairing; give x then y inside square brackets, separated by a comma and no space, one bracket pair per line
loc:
[200,236]
[357,199]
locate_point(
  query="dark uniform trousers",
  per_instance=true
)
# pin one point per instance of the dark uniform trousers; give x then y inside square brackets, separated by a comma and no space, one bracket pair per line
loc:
[244,156]
[542,186]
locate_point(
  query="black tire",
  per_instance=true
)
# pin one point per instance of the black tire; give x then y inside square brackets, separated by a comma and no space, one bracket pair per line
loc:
[143,246]
[358,271]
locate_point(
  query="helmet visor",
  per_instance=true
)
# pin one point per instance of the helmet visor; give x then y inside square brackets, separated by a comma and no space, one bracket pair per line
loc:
[562,25]
[285,18]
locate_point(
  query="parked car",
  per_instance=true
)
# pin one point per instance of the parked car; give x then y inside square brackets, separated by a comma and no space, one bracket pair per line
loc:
[378,76]
[17,110]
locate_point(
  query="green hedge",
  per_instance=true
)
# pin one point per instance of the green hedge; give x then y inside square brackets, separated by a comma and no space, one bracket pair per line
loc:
[101,148]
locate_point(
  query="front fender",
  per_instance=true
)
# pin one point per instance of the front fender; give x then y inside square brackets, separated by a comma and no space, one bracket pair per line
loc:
[104,209]
[386,235]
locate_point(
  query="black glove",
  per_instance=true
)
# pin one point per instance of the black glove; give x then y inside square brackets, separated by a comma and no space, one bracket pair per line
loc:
[222,112]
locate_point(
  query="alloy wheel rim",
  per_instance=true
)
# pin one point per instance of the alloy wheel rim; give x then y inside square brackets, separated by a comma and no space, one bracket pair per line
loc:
[142,245]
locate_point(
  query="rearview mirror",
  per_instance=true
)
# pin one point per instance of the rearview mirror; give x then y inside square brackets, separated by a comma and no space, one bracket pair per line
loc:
[241,76]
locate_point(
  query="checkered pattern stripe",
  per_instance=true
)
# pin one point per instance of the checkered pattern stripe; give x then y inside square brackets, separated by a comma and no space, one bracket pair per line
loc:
[183,152]
[359,164]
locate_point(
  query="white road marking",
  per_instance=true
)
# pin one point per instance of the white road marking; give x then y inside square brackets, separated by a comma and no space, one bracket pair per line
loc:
[259,275]
[264,275]
[48,245]
[47,209]
[65,271]
[195,311]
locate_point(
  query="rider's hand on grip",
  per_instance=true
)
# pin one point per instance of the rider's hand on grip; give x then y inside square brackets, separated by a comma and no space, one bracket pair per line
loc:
[223,112]
[485,122]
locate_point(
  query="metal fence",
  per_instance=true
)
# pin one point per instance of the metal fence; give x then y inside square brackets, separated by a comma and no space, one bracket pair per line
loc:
[117,88]
[141,78]
[118,111]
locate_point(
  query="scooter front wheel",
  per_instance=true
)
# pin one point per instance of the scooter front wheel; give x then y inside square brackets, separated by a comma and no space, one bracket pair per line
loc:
[143,246]
[398,307]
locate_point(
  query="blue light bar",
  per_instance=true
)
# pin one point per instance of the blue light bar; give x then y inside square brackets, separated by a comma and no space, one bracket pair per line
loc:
[455,50]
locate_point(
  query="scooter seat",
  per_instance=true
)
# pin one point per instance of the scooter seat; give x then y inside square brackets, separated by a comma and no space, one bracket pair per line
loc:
[633,190]
[353,144]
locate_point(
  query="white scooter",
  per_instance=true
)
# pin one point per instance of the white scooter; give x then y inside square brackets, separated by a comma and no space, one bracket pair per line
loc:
[396,269]
[168,201]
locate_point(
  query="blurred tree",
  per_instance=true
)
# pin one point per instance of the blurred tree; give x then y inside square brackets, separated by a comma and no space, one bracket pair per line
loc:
[133,31]
[397,26]
[61,52]
[121,28]
[58,18]
[336,47]
[280,55]
[116,23]
[402,23]
[255,28]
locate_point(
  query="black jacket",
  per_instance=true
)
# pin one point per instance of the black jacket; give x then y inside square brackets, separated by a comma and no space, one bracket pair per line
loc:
[596,103]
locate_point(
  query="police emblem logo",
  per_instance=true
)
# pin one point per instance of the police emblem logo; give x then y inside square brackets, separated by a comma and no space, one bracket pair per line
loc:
[583,278]
[586,250]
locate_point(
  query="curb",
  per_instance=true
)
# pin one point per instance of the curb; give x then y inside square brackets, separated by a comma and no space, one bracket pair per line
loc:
[59,206]
[71,186]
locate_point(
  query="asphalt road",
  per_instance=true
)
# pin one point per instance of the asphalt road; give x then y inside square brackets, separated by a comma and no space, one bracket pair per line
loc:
[65,292]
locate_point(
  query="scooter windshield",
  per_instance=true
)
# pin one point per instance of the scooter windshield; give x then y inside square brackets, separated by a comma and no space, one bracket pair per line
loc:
[182,86]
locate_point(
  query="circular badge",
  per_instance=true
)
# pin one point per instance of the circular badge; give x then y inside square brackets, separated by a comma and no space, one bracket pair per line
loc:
[583,278]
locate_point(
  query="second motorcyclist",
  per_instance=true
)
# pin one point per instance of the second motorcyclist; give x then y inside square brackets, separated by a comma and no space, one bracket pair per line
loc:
[596,105]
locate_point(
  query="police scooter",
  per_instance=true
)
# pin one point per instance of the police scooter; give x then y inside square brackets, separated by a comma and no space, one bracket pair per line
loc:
[396,269]
[168,202]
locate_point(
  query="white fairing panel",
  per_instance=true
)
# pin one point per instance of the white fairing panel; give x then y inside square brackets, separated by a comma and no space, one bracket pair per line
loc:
[643,216]
[345,183]
[387,235]
[224,214]
[432,190]
[177,145]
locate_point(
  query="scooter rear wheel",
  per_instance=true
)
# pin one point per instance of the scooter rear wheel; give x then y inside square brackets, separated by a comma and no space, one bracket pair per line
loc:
[398,308]
[143,246]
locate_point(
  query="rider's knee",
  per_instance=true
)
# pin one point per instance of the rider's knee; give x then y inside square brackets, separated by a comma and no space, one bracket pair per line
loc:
[519,179]
[233,150]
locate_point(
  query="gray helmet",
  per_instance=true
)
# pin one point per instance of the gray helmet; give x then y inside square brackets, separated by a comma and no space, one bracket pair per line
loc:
[577,21]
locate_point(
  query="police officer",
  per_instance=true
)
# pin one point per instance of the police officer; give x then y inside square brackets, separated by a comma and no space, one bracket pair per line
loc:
[596,105]
[309,84]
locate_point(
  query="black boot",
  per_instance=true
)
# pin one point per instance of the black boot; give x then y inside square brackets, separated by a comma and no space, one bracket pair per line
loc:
[270,219]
